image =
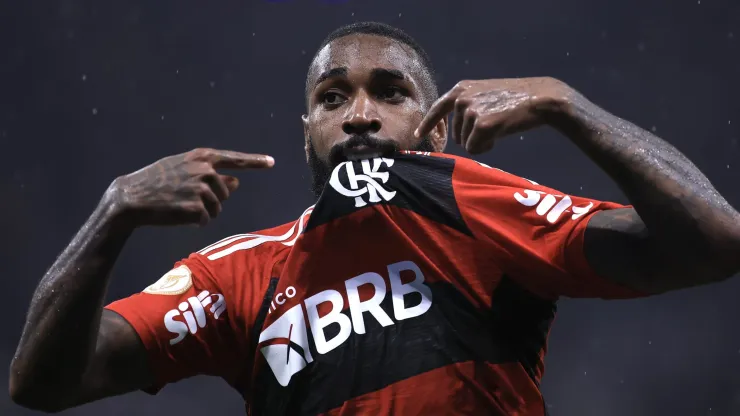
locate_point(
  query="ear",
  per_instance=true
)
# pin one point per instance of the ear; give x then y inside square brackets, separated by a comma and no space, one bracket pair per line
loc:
[438,135]
[306,135]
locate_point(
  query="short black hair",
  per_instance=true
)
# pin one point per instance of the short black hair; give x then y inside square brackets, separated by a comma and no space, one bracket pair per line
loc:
[429,84]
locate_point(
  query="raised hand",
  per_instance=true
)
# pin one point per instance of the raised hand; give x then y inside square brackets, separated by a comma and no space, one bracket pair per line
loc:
[184,188]
[489,109]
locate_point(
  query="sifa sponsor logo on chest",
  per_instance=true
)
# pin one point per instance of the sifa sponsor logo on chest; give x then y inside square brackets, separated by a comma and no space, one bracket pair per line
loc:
[288,351]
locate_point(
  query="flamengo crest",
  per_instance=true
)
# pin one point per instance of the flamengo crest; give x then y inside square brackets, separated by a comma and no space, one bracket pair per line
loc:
[364,183]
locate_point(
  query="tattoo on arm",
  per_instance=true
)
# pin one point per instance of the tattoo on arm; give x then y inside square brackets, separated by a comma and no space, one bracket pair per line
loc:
[618,247]
[66,317]
[681,233]
[66,332]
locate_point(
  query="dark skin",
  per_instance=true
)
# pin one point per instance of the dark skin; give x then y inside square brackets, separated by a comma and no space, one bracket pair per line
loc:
[364,84]
[101,354]
[681,232]
[677,215]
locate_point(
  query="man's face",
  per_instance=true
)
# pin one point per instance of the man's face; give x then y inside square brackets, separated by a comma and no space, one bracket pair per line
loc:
[365,99]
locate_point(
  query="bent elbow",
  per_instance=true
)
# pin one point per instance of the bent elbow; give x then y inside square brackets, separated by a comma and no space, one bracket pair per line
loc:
[27,394]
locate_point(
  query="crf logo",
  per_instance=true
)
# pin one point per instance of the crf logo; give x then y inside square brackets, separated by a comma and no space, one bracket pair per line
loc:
[194,313]
[550,205]
[286,340]
[365,183]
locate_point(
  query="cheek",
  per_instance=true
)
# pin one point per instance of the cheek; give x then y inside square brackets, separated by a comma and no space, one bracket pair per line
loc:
[324,131]
[403,123]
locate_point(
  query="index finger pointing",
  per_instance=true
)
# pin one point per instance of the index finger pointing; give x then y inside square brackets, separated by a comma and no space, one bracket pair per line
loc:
[229,159]
[441,108]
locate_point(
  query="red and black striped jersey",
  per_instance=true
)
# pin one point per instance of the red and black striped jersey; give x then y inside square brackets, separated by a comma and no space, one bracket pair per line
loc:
[418,284]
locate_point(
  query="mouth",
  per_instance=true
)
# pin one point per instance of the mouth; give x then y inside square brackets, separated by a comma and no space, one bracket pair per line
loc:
[361,152]
[361,147]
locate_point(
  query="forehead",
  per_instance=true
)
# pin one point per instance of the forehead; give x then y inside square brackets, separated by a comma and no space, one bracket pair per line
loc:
[362,53]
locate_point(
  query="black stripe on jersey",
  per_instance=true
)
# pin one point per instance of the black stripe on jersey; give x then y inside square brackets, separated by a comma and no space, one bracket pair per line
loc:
[423,184]
[242,384]
[525,319]
[451,331]
[264,308]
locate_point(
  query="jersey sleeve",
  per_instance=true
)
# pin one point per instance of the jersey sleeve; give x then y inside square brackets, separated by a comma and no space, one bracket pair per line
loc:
[188,323]
[538,231]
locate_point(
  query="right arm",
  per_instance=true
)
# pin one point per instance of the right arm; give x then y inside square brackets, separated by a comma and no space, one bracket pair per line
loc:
[66,328]
[72,351]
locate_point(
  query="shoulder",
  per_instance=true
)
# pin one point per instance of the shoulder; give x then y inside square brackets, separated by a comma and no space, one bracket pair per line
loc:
[258,242]
[475,179]
[246,254]
[471,171]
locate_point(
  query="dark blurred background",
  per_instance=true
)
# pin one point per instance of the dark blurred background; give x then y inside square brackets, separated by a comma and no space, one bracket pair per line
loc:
[91,90]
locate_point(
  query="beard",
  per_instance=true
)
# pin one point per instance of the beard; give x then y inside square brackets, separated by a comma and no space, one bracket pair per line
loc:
[321,170]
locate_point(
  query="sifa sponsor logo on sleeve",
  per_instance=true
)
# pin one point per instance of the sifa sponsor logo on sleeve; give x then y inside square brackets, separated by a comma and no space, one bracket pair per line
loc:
[551,206]
[192,314]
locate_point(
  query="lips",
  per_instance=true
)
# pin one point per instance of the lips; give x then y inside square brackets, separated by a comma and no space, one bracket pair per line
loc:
[361,147]
[361,152]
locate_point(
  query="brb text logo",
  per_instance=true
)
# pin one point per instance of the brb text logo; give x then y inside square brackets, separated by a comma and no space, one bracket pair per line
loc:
[286,340]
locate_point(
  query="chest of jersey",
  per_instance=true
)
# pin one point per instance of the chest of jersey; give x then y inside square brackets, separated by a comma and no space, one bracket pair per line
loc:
[373,294]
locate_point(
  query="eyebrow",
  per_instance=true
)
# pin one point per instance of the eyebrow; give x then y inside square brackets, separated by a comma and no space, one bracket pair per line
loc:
[341,72]
[387,73]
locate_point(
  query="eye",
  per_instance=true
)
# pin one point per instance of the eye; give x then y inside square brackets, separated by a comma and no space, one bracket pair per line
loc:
[392,93]
[332,99]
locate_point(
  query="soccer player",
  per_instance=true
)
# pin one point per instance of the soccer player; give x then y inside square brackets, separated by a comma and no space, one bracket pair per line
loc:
[419,282]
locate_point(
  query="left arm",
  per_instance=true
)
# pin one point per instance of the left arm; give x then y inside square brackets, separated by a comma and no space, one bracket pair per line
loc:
[681,232]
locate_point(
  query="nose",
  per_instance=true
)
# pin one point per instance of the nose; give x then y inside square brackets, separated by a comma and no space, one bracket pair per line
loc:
[361,116]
